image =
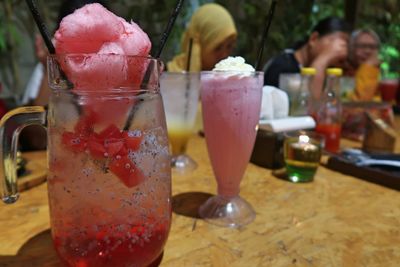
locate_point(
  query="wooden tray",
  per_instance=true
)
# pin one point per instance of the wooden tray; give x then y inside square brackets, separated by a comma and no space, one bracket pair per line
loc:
[36,170]
[388,178]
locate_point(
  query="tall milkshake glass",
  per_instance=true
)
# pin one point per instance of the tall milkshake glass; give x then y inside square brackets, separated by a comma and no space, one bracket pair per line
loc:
[231,103]
[109,182]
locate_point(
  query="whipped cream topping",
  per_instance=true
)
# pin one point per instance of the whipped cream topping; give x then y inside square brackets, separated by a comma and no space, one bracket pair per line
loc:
[233,64]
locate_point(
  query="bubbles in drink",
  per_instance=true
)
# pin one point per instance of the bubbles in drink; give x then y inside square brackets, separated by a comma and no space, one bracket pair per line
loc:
[134,133]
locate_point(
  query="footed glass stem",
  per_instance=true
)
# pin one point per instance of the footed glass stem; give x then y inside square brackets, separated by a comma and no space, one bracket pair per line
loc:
[228,212]
[183,163]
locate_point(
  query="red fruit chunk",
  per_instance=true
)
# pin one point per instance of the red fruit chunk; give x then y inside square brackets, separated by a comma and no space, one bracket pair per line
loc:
[96,149]
[74,142]
[126,171]
[114,146]
[83,127]
[112,110]
[111,131]
[110,145]
[123,151]
[132,141]
[86,123]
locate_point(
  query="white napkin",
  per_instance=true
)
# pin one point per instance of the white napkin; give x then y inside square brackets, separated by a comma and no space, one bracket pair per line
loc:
[288,124]
[33,86]
[275,103]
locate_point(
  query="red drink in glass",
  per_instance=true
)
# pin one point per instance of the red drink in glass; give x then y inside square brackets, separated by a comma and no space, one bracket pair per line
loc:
[133,246]
[109,185]
[388,89]
[109,181]
[332,136]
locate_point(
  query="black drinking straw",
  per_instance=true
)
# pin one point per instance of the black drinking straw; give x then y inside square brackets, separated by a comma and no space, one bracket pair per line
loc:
[265,35]
[42,27]
[189,56]
[169,27]
[150,67]
[46,37]
[188,60]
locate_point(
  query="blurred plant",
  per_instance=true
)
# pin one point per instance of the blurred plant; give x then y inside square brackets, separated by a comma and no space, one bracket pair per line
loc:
[384,18]
[153,15]
[326,8]
[9,39]
[17,34]
[288,26]
[292,22]
[390,58]
[17,27]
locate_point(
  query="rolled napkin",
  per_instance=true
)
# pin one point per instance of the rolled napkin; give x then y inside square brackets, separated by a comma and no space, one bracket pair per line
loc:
[267,111]
[275,103]
[288,124]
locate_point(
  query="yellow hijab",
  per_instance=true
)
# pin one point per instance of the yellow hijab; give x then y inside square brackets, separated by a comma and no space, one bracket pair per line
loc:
[210,25]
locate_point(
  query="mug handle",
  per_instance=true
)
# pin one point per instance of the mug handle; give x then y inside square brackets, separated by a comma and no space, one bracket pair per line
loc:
[11,126]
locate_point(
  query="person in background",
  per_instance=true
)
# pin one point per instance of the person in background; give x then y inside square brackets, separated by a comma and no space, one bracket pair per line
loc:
[363,64]
[326,46]
[37,91]
[214,34]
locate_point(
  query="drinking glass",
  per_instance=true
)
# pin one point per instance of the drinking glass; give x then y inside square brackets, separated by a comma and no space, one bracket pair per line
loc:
[302,153]
[109,178]
[231,108]
[290,83]
[388,89]
[180,92]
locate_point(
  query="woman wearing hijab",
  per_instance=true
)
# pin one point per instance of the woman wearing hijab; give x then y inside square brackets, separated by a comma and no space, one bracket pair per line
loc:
[213,32]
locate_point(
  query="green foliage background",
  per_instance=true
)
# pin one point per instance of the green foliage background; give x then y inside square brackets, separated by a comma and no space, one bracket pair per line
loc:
[293,20]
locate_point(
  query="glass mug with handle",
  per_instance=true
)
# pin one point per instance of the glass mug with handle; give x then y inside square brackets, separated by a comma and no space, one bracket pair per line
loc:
[109,177]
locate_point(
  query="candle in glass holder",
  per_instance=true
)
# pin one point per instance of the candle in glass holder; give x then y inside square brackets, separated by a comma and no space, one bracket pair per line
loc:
[302,153]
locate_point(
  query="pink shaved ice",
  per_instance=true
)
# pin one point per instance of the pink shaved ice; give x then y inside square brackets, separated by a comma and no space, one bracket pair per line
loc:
[94,30]
[134,41]
[89,73]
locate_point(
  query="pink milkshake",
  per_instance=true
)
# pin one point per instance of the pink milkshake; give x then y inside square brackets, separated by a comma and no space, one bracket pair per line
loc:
[231,100]
[231,108]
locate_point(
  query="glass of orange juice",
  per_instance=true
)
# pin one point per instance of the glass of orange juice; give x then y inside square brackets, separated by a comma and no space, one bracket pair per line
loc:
[180,92]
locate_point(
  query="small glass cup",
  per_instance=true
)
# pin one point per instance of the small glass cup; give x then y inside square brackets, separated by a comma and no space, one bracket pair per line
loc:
[180,92]
[302,153]
[290,83]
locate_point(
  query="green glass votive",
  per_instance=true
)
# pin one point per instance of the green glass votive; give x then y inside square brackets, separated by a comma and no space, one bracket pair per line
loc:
[302,153]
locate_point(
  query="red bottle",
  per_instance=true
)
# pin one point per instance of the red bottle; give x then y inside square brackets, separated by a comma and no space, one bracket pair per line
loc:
[329,114]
